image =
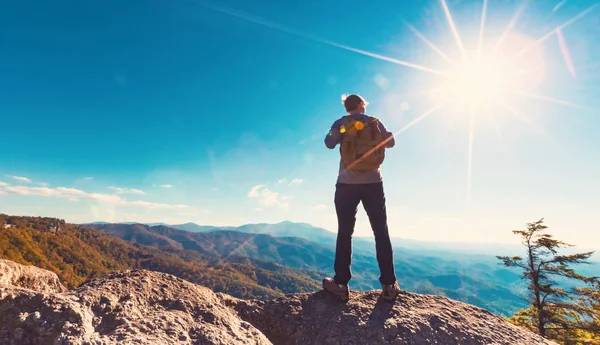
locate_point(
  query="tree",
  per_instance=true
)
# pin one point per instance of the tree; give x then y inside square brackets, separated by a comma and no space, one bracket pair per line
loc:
[554,312]
[589,302]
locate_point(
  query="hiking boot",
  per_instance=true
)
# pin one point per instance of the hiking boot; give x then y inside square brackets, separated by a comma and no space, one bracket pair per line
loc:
[390,292]
[340,290]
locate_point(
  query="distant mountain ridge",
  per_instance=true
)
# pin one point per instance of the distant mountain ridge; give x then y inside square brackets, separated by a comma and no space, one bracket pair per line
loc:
[487,286]
[364,244]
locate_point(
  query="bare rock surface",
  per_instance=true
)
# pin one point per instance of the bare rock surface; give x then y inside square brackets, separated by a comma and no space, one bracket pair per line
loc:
[29,277]
[145,307]
[414,319]
[132,307]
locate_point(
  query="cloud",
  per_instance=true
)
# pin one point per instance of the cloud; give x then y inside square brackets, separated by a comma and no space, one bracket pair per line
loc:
[267,197]
[3,184]
[321,207]
[73,194]
[166,186]
[88,178]
[20,179]
[254,191]
[127,190]
[154,205]
[43,184]
[293,182]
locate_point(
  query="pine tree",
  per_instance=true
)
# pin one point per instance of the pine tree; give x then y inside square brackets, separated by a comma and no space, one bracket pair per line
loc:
[554,311]
[589,302]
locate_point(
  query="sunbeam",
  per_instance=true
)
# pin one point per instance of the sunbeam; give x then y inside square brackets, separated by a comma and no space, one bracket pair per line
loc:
[454,30]
[517,114]
[428,42]
[565,52]
[492,120]
[482,27]
[418,119]
[553,31]
[470,159]
[555,101]
[510,25]
[295,32]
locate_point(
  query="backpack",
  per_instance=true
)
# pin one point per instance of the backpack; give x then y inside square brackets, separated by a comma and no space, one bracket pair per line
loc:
[362,144]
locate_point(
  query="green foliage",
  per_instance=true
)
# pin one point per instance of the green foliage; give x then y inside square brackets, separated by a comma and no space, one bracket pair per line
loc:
[77,254]
[565,315]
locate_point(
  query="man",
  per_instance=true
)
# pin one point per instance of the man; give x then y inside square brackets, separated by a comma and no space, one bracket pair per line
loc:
[362,140]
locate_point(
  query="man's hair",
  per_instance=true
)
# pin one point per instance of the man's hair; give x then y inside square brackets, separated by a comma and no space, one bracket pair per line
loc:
[352,102]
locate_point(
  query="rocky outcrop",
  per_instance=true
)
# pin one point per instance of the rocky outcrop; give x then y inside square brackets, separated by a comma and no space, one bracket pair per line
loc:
[132,307]
[144,307]
[412,319]
[29,277]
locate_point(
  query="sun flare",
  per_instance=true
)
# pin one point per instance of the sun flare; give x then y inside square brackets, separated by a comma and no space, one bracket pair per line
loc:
[490,76]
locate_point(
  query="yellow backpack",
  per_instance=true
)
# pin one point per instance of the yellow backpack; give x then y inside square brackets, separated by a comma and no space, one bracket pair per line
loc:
[362,144]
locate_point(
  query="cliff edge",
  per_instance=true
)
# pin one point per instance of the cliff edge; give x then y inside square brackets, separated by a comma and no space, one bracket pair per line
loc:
[145,307]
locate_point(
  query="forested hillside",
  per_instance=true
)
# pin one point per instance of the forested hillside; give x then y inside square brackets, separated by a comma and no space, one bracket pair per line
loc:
[76,254]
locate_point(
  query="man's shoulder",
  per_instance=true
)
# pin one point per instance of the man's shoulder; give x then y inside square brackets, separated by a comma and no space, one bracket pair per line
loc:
[363,117]
[339,121]
[373,118]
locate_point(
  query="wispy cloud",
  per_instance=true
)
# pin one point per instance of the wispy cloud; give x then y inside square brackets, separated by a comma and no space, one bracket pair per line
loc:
[267,197]
[293,182]
[321,207]
[88,178]
[3,184]
[127,190]
[20,179]
[43,184]
[73,194]
[147,204]
[166,186]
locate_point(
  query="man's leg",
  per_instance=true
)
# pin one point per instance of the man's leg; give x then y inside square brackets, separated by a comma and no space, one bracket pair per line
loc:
[374,204]
[346,205]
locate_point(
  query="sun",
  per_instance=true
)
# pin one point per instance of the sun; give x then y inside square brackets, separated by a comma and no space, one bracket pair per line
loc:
[475,82]
[490,76]
[483,80]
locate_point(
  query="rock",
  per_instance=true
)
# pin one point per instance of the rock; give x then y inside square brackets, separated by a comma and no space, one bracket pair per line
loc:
[29,277]
[124,308]
[144,307]
[320,318]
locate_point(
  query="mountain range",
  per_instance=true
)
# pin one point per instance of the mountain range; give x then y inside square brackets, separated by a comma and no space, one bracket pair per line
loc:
[469,278]
[254,260]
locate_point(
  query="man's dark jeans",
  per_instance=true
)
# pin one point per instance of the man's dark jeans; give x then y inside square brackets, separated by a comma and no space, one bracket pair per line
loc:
[347,198]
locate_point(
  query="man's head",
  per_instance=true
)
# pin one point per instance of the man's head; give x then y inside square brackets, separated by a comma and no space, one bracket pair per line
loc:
[354,104]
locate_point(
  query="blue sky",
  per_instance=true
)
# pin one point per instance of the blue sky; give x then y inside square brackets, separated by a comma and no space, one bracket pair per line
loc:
[182,111]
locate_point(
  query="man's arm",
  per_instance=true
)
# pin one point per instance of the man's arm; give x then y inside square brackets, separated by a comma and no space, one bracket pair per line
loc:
[334,136]
[388,136]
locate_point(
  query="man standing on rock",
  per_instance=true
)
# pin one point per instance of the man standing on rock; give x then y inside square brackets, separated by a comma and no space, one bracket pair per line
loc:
[362,140]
